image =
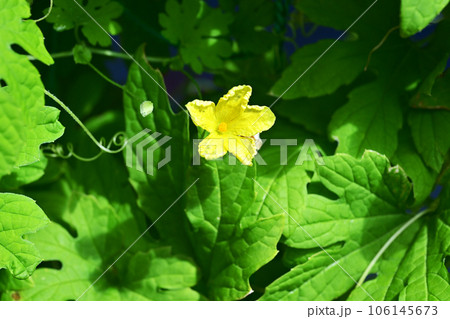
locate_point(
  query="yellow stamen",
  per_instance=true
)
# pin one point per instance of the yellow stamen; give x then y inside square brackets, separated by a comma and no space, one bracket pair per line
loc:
[223,127]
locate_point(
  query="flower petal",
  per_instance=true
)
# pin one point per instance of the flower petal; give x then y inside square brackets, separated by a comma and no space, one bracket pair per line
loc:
[232,104]
[213,146]
[252,121]
[243,148]
[202,114]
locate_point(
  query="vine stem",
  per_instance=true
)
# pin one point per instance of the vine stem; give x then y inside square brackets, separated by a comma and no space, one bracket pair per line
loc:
[389,242]
[386,36]
[85,129]
[47,14]
[104,77]
[107,79]
[107,53]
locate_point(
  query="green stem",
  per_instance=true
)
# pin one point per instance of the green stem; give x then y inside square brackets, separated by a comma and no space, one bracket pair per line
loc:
[389,242]
[107,53]
[107,79]
[386,36]
[85,129]
[120,55]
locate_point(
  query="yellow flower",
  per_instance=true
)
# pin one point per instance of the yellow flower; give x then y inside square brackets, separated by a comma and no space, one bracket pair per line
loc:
[232,124]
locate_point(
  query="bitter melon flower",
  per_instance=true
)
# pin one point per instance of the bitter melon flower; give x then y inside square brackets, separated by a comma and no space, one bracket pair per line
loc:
[234,126]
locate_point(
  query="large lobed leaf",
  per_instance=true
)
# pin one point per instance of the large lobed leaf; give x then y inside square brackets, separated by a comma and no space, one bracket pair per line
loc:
[26,121]
[26,124]
[413,268]
[157,190]
[153,274]
[371,203]
[229,241]
[19,215]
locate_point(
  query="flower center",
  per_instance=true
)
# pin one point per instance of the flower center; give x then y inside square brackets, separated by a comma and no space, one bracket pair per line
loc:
[223,127]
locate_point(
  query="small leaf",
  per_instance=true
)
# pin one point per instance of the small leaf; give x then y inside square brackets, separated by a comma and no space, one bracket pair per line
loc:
[81,54]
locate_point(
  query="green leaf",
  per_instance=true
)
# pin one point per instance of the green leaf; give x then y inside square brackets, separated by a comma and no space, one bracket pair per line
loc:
[417,14]
[106,179]
[406,155]
[250,23]
[321,68]
[413,268]
[285,181]
[81,54]
[159,188]
[158,275]
[24,175]
[430,133]
[26,121]
[438,97]
[312,113]
[434,60]
[370,120]
[150,275]
[199,32]
[429,126]
[19,215]
[373,115]
[66,15]
[372,197]
[338,67]
[230,242]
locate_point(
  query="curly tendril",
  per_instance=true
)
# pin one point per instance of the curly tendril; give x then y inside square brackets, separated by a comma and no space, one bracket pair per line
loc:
[56,150]
[118,140]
